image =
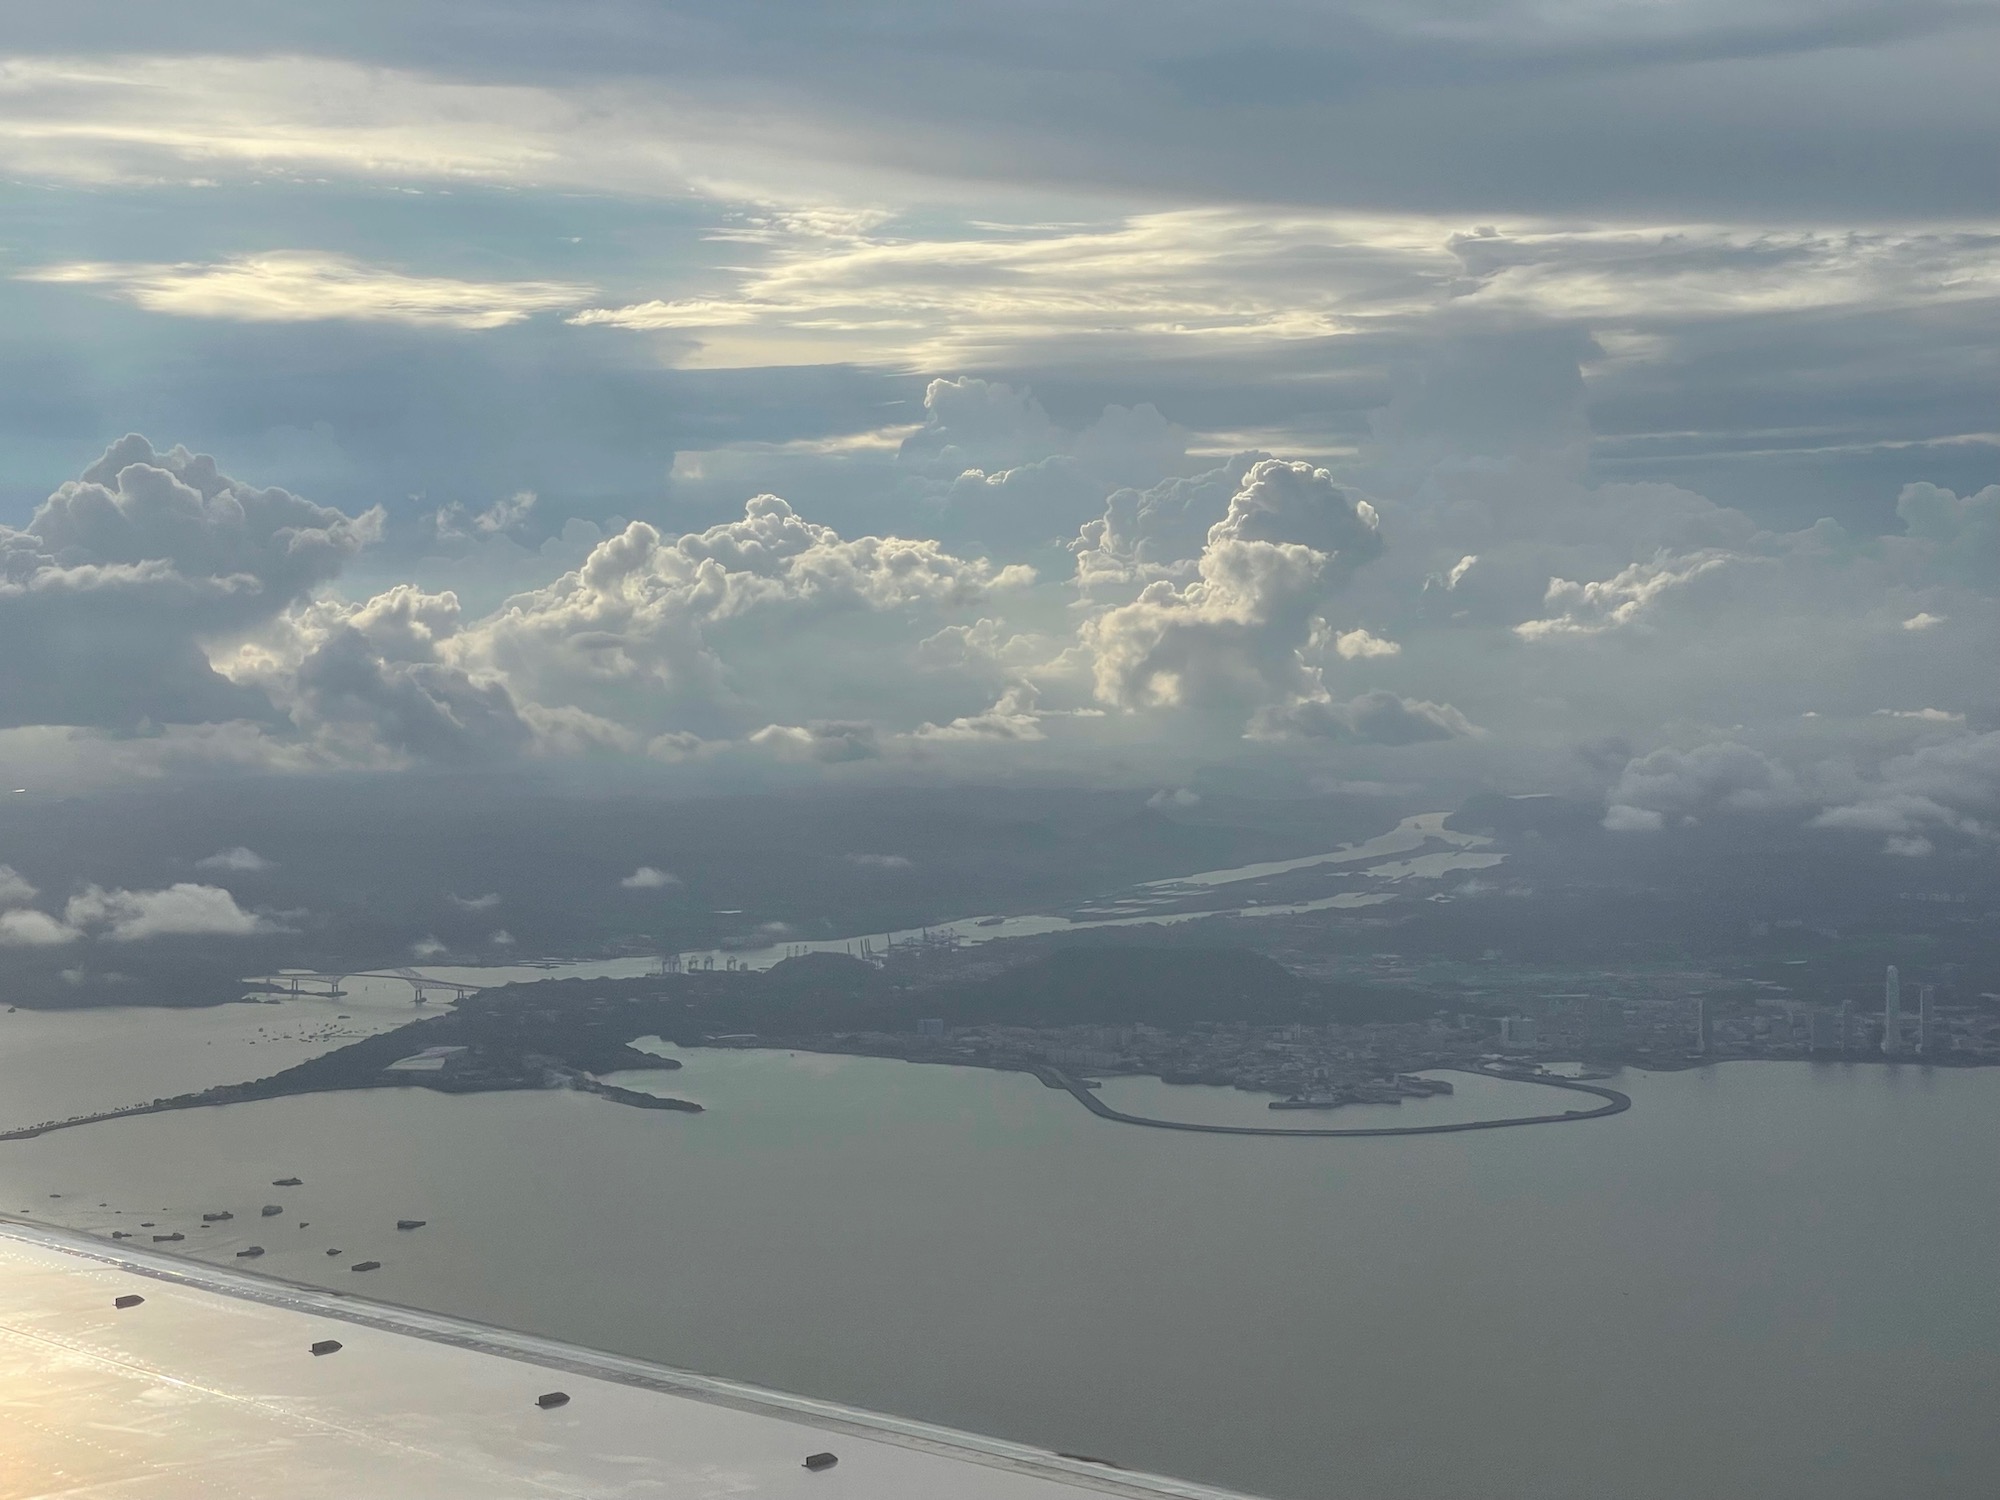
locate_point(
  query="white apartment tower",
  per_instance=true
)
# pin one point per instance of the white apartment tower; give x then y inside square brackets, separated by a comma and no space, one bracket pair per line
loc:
[1892,1015]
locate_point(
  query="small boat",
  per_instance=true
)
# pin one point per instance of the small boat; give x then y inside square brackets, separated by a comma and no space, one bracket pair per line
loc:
[819,1461]
[166,1239]
[286,1181]
[327,1346]
[271,1210]
[251,1254]
[550,1400]
[336,1252]
[217,1218]
[411,1223]
[130,1299]
[366,1265]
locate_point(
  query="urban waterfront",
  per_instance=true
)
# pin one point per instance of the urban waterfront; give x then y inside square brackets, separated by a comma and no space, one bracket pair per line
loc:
[1769,1278]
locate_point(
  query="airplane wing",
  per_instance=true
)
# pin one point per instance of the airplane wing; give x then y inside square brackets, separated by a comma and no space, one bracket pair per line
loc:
[131,1375]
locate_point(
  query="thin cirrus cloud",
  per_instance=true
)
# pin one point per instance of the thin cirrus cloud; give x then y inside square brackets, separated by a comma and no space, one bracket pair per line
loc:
[1217,280]
[299,286]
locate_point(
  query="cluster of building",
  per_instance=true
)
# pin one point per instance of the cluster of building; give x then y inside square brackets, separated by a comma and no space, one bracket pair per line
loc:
[1319,1060]
[1793,1028]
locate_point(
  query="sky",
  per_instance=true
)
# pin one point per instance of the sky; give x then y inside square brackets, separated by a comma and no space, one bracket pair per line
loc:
[1594,397]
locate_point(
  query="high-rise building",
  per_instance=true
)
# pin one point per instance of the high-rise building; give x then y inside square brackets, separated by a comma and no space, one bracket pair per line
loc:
[1704,1028]
[1518,1031]
[1892,1015]
[1927,1036]
[1824,1030]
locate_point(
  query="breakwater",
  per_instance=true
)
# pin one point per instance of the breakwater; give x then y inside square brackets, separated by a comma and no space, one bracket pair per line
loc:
[1614,1103]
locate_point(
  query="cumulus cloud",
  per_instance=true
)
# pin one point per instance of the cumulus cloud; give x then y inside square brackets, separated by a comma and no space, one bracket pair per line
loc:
[826,741]
[453,522]
[1624,598]
[28,928]
[1231,637]
[1951,785]
[475,903]
[1360,645]
[1964,530]
[184,909]
[1177,796]
[15,888]
[649,878]
[648,618]
[1671,785]
[240,859]
[108,592]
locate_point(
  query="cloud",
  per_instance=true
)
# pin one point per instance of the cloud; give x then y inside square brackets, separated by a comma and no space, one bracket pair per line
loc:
[1373,718]
[828,742]
[454,523]
[1624,818]
[300,286]
[474,903]
[1618,601]
[108,592]
[1924,620]
[1359,645]
[1908,846]
[1951,785]
[1178,796]
[1230,639]
[246,861]
[1671,785]
[183,909]
[1963,530]
[27,928]
[15,888]
[879,861]
[667,624]
[647,878]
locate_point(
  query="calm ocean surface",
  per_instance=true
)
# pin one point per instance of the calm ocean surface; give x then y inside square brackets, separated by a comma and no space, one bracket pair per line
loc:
[1765,1280]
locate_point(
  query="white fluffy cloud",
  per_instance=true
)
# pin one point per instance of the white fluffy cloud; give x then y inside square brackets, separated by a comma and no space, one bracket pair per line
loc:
[181,910]
[109,591]
[649,878]
[15,888]
[1231,637]
[1623,599]
[28,928]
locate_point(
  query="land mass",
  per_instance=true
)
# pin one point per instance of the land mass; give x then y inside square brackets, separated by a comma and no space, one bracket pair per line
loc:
[1223,1016]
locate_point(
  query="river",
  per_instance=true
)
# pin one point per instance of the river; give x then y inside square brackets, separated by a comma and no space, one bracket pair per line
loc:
[1765,1279]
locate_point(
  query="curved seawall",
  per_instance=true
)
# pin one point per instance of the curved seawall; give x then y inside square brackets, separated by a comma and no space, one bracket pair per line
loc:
[1615,1103]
